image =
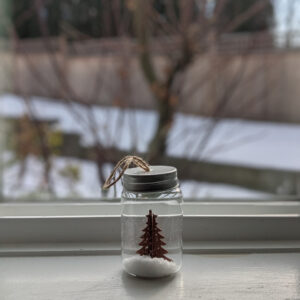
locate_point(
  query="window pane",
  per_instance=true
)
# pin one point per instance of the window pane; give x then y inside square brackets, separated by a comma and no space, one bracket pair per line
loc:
[211,87]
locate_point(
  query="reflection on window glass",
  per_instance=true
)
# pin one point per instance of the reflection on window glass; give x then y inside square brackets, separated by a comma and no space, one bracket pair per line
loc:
[210,87]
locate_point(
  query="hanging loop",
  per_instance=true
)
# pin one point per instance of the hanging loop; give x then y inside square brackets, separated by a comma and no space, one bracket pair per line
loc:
[122,166]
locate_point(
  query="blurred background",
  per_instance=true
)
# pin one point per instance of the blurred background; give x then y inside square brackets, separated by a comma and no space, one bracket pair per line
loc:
[208,86]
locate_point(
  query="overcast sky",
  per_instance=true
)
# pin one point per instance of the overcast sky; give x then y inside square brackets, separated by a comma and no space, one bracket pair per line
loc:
[287,15]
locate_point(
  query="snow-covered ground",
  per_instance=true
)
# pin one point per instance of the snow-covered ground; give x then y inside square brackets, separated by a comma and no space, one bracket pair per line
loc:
[232,141]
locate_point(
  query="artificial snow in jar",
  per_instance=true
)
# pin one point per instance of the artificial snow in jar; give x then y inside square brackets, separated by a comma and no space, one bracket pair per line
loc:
[151,222]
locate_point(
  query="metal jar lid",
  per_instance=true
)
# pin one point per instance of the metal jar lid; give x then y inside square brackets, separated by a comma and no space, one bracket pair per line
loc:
[159,178]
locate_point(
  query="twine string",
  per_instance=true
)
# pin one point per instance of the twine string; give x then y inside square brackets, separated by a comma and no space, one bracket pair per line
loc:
[122,166]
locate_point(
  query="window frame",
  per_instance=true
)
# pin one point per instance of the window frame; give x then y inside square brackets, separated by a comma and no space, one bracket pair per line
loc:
[94,227]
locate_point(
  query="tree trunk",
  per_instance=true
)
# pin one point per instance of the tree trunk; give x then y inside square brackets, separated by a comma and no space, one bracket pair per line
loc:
[160,90]
[158,144]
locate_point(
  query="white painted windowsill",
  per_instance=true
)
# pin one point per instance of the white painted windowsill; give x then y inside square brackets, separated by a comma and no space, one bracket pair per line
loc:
[71,251]
[238,276]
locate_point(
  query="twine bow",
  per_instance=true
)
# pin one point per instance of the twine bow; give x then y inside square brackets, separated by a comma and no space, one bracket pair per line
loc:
[122,166]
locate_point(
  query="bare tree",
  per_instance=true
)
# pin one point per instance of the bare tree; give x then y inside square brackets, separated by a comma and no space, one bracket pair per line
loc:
[195,32]
[181,35]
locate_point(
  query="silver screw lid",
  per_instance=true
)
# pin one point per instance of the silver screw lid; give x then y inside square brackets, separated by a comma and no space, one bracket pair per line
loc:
[159,178]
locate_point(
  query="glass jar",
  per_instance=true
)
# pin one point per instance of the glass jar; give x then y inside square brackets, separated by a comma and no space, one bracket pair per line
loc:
[151,222]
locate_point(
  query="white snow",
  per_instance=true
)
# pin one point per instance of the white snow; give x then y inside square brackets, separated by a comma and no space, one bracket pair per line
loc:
[234,141]
[262,144]
[145,266]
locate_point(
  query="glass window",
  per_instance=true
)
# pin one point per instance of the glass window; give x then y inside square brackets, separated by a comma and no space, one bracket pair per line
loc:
[210,87]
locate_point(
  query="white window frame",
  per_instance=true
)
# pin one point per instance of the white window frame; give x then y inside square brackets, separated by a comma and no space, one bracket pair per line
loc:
[94,227]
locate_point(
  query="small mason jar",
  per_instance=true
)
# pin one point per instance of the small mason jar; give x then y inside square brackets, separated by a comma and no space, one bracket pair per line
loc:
[151,222]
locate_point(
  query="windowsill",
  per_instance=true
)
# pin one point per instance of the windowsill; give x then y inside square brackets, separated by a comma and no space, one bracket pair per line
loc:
[255,276]
[70,254]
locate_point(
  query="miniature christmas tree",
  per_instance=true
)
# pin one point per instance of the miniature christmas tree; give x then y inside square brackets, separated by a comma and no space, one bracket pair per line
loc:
[152,240]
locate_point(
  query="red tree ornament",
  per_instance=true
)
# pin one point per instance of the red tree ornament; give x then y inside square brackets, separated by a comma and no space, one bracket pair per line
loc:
[152,240]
